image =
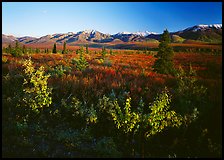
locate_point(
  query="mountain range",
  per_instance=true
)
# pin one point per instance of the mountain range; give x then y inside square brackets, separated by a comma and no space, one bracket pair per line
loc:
[204,33]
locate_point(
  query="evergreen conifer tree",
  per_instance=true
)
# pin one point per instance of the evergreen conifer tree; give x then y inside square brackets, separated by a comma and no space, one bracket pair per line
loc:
[54,49]
[64,51]
[164,63]
[87,49]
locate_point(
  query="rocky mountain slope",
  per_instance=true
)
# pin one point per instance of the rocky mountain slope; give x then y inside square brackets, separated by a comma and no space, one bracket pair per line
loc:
[204,33]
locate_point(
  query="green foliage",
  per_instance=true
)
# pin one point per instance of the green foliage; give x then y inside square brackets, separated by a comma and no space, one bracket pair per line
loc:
[111,52]
[4,59]
[24,50]
[125,119]
[46,50]
[80,50]
[9,49]
[4,50]
[177,39]
[103,52]
[91,115]
[64,51]
[77,108]
[154,122]
[189,94]
[17,51]
[164,62]
[81,63]
[59,70]
[36,92]
[37,50]
[54,50]
[87,49]
[105,104]
[160,116]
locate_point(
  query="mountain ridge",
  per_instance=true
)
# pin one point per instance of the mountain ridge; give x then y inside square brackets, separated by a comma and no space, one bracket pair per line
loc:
[201,32]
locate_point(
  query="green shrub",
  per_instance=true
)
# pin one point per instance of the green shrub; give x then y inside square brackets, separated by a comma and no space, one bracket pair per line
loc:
[81,63]
[103,52]
[128,120]
[188,93]
[36,91]
[4,59]
[59,70]
[77,108]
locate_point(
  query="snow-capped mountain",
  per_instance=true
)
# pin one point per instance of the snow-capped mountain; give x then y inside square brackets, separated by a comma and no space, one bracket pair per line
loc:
[202,32]
[198,32]
[202,27]
[144,34]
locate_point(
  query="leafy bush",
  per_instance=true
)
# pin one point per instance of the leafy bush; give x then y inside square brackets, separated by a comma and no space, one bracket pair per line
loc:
[189,94]
[4,59]
[157,120]
[103,52]
[36,92]
[77,108]
[160,116]
[59,71]
[81,63]
[16,51]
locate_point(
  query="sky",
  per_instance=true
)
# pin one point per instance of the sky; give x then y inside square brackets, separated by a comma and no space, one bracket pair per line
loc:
[42,18]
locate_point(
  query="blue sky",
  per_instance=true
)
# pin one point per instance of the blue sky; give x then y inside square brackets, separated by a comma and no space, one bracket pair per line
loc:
[42,18]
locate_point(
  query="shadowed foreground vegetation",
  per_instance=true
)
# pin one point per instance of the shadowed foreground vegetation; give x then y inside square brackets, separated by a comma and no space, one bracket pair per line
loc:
[110,103]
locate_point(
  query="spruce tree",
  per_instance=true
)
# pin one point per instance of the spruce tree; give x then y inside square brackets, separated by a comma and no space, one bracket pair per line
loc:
[9,49]
[17,51]
[37,50]
[64,51]
[24,49]
[164,62]
[17,45]
[54,49]
[87,49]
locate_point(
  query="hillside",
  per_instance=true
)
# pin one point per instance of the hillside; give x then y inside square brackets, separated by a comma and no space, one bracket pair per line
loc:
[202,33]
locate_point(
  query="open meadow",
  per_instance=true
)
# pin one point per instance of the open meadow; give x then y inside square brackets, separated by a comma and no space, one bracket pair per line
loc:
[111,103]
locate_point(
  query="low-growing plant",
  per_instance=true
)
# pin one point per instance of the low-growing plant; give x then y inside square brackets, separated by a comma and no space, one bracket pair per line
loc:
[103,52]
[77,108]
[59,70]
[81,63]
[189,94]
[148,124]
[4,59]
[37,94]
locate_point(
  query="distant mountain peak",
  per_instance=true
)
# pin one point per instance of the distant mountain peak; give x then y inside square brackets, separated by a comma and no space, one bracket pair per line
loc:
[144,34]
[89,31]
[120,33]
[203,27]
[206,32]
